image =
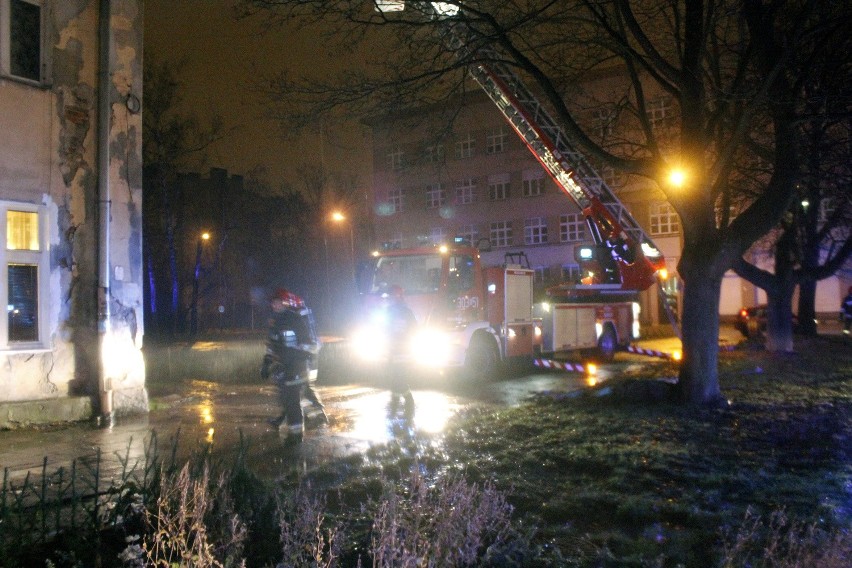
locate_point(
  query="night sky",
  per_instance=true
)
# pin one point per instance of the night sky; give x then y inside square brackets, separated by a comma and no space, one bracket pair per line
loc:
[222,57]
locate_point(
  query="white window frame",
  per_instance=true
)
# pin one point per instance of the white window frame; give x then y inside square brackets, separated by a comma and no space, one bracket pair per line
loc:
[435,154]
[498,187]
[470,233]
[500,234]
[660,112]
[466,191]
[533,183]
[495,140]
[395,159]
[664,219]
[396,197]
[39,258]
[438,235]
[6,43]
[571,273]
[572,227]
[535,231]
[465,145]
[436,195]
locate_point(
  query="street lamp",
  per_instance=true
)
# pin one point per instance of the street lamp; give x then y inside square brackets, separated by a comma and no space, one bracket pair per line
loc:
[677,177]
[193,314]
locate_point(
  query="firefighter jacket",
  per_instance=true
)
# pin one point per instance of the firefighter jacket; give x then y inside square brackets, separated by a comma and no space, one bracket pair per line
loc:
[290,346]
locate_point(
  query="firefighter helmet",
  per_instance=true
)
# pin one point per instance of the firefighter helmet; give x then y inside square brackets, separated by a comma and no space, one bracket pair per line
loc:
[288,298]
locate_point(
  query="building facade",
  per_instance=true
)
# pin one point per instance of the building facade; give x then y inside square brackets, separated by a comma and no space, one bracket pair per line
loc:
[464,172]
[71,210]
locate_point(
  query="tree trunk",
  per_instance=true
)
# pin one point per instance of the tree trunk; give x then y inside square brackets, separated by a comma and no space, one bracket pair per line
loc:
[699,373]
[807,308]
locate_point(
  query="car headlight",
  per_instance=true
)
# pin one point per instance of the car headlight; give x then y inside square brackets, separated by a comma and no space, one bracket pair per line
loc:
[430,347]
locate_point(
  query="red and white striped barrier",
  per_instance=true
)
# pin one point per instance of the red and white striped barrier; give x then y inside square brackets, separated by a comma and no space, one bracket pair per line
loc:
[649,352]
[550,364]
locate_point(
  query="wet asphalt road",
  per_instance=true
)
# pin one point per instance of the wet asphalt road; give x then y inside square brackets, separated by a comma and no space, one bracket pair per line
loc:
[212,415]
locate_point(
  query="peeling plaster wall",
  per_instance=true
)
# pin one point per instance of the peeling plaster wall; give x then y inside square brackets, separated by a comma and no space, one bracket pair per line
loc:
[49,157]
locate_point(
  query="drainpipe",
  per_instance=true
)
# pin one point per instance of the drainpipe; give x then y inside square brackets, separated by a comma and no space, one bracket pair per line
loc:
[104,113]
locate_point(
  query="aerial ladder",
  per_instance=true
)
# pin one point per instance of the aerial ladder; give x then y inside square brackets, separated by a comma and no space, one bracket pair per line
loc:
[615,232]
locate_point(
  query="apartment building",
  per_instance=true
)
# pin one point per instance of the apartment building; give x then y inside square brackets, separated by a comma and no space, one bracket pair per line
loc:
[70,210]
[442,174]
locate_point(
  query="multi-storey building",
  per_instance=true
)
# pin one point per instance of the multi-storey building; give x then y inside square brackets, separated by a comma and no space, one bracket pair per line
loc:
[463,172]
[70,210]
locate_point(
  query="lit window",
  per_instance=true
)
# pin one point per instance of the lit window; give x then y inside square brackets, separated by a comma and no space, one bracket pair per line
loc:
[535,231]
[395,159]
[664,220]
[25,262]
[465,191]
[396,199]
[436,195]
[533,183]
[498,187]
[572,227]
[501,234]
[495,140]
[21,38]
[465,145]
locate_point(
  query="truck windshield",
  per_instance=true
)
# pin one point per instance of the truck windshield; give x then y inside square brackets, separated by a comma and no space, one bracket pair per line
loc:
[416,274]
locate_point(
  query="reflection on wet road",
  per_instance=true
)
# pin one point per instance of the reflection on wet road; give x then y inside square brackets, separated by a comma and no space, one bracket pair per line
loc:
[221,417]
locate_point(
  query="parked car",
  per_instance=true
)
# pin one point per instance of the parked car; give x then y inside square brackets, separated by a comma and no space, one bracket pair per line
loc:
[752,321]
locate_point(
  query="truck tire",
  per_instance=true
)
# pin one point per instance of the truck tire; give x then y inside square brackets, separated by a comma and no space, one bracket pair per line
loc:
[482,360]
[607,343]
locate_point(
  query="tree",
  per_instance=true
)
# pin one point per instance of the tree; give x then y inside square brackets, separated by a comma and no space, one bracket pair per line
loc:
[732,69]
[171,141]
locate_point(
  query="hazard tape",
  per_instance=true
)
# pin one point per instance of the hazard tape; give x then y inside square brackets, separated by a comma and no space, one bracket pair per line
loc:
[648,352]
[550,364]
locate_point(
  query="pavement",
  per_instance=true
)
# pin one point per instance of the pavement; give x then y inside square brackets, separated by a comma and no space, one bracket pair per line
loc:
[223,416]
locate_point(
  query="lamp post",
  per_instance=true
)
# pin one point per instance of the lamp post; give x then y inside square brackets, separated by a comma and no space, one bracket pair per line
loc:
[193,313]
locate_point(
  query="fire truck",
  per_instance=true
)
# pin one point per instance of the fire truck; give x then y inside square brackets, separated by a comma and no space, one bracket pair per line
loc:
[474,316]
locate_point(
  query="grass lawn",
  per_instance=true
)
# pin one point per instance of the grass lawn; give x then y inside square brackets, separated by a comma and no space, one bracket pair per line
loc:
[620,480]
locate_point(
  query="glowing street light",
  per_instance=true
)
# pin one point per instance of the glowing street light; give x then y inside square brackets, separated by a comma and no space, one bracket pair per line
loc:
[677,177]
[193,313]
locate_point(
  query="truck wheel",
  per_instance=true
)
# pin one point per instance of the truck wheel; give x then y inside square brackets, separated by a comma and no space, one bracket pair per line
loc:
[482,359]
[607,344]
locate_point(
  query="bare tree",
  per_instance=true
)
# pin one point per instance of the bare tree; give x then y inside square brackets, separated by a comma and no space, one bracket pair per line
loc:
[732,68]
[171,141]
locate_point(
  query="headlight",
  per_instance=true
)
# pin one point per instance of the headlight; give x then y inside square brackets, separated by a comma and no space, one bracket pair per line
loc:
[369,344]
[430,347]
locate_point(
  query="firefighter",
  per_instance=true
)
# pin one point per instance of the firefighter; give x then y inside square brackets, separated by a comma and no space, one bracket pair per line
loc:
[846,311]
[291,344]
[400,323]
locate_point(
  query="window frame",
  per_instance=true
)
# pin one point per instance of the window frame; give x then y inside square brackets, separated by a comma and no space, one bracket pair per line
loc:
[466,191]
[465,145]
[41,260]
[496,139]
[436,195]
[535,231]
[500,234]
[533,183]
[663,219]
[6,43]
[396,197]
[499,186]
[572,228]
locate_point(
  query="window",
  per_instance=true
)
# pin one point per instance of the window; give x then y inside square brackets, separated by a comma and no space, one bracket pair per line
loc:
[469,233]
[395,159]
[465,145]
[461,275]
[572,227]
[465,191]
[438,235]
[435,154]
[535,231]
[21,38]
[436,195]
[604,120]
[571,273]
[660,112]
[25,263]
[498,187]
[533,183]
[395,198]
[394,241]
[495,140]
[501,234]
[664,220]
